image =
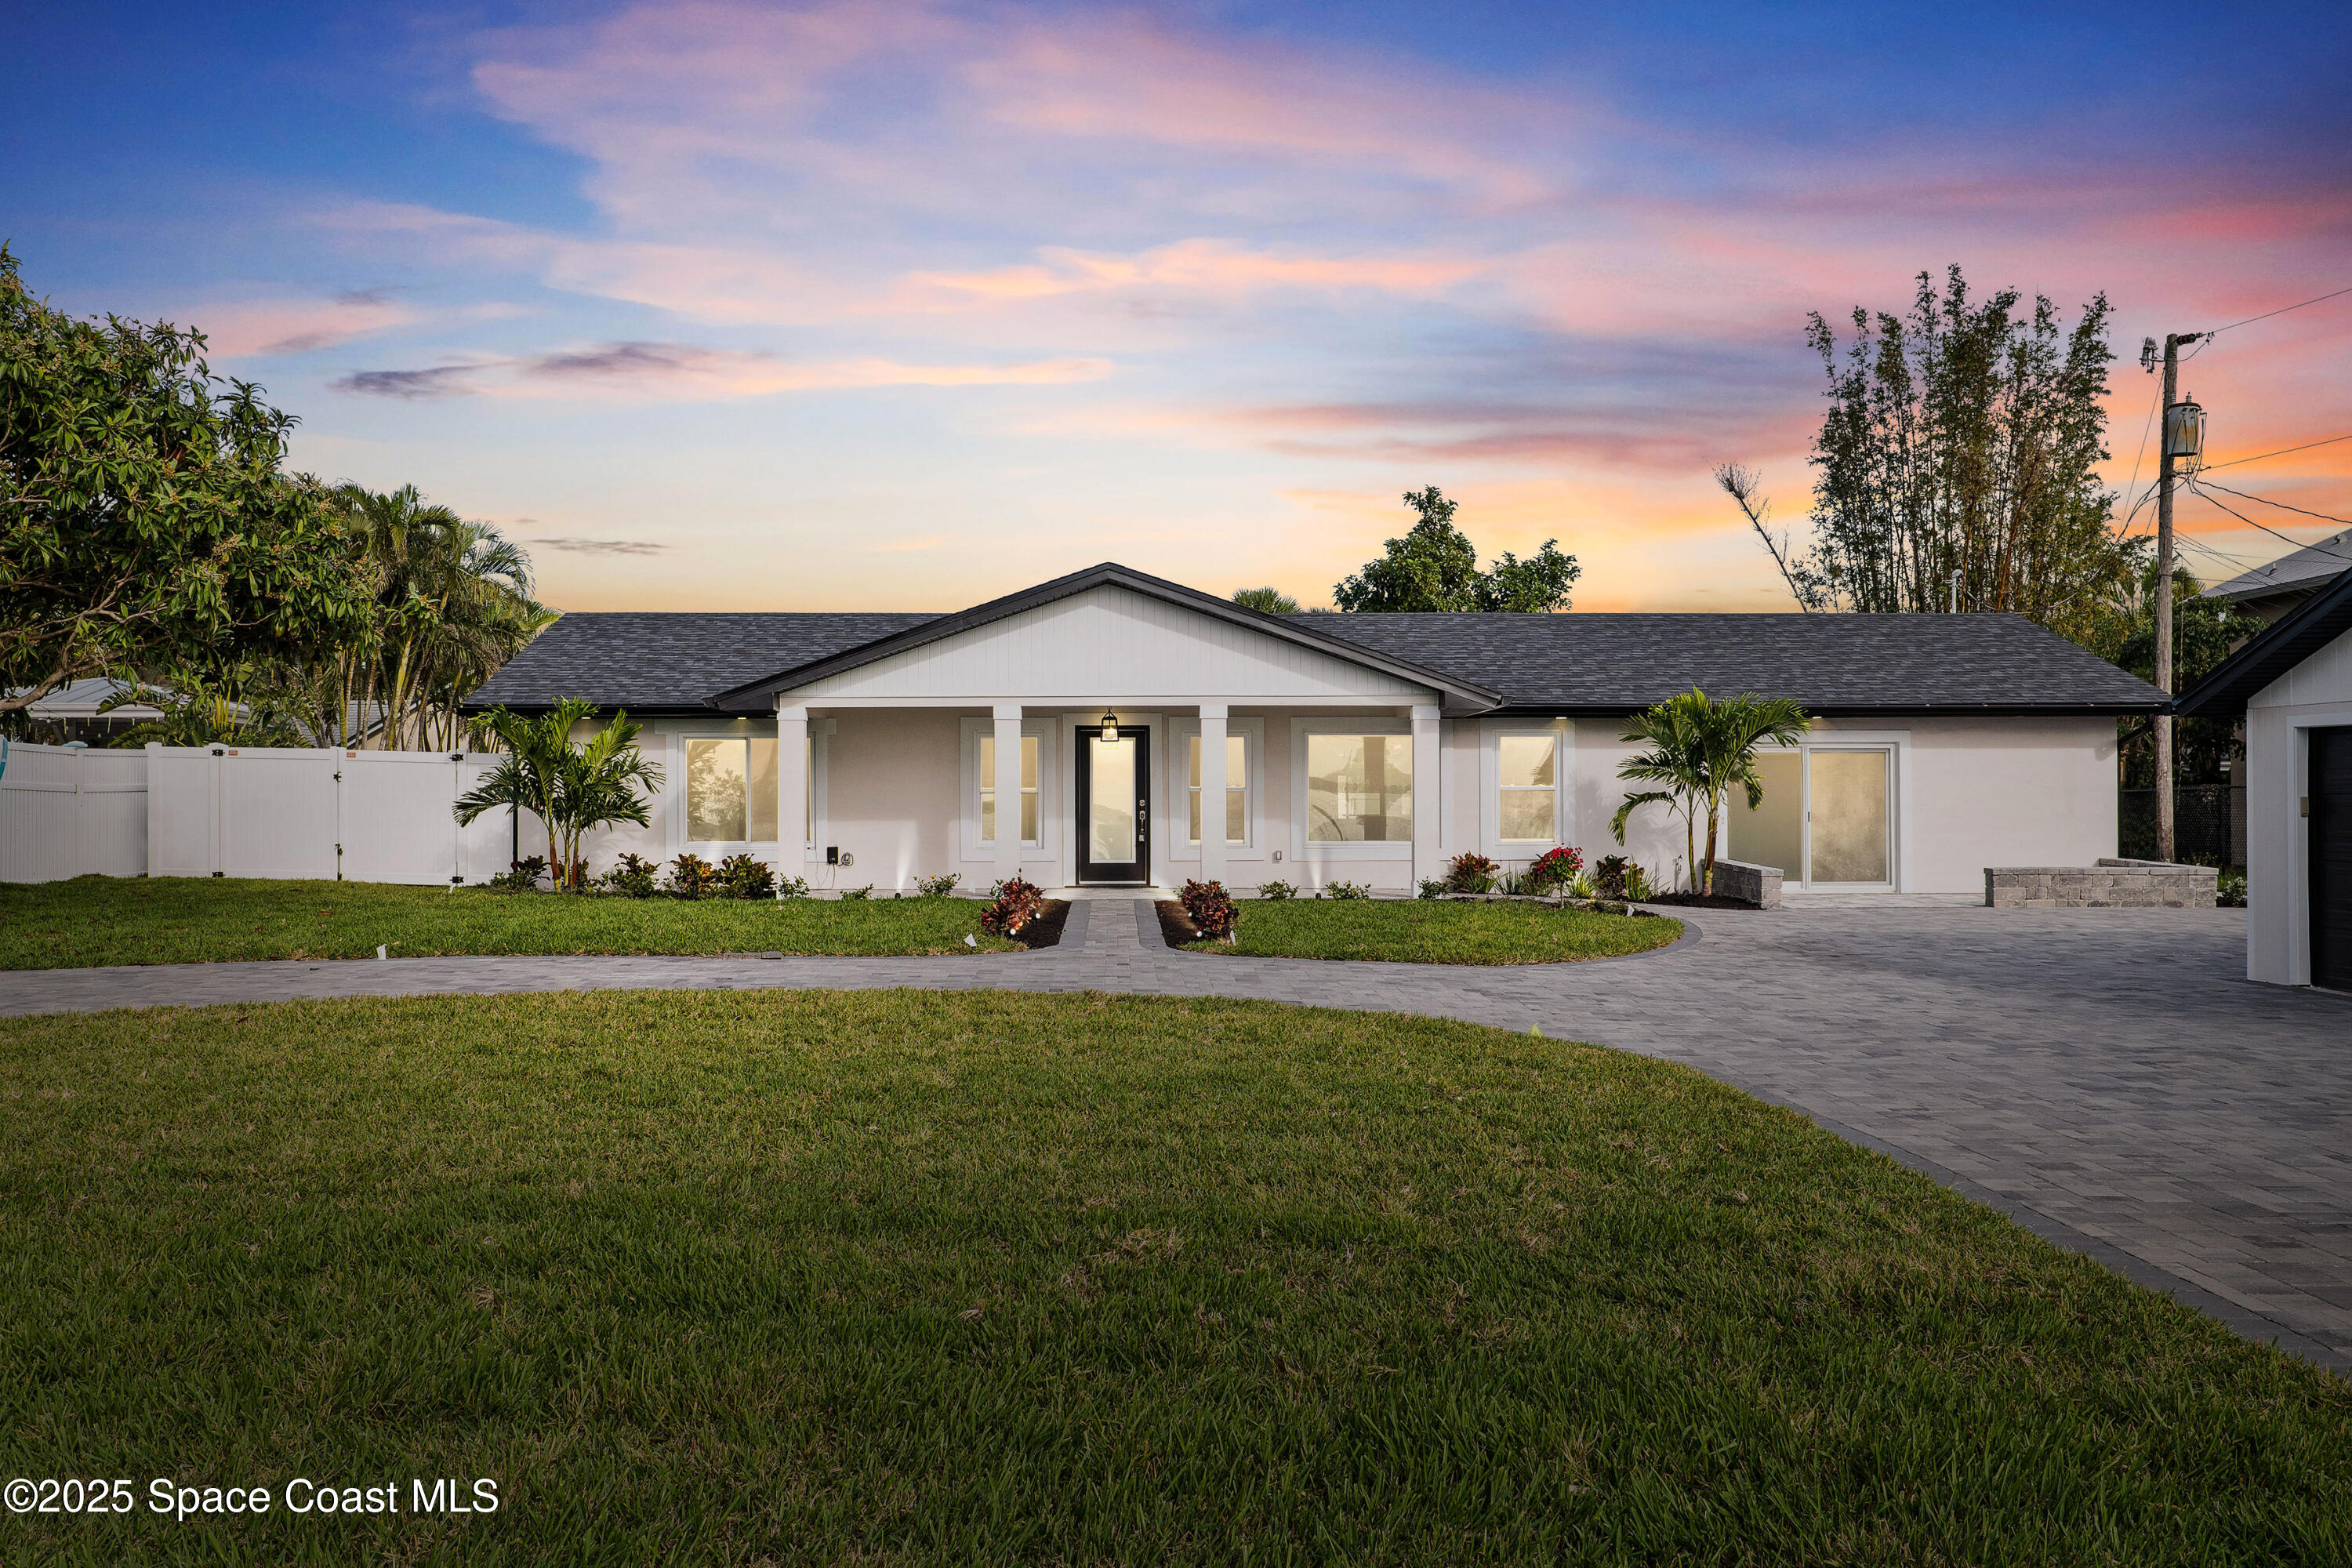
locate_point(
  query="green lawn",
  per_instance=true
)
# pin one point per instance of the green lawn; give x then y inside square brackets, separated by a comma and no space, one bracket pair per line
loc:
[974,1278]
[1421,930]
[189,919]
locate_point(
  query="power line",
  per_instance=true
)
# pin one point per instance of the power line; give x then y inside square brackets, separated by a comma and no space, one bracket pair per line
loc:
[2250,522]
[2280,453]
[2280,504]
[2141,450]
[2281,311]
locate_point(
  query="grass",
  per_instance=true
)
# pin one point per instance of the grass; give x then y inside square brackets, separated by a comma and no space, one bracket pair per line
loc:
[987,1279]
[1421,930]
[187,920]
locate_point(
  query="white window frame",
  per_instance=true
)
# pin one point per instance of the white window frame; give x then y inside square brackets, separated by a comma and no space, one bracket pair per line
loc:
[1311,850]
[676,817]
[1896,743]
[1181,733]
[1562,735]
[1040,730]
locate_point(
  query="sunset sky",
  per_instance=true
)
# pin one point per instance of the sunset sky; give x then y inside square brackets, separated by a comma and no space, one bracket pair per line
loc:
[902,306]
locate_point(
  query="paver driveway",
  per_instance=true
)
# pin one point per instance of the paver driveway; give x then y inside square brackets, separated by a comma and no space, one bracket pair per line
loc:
[2105,1076]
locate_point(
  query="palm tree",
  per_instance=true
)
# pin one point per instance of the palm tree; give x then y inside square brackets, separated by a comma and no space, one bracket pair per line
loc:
[1699,749]
[452,603]
[572,789]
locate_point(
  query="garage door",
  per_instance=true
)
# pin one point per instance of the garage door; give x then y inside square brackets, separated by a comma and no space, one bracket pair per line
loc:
[2331,858]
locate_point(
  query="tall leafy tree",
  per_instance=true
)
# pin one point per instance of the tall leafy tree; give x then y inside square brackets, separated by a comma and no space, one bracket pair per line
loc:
[574,788]
[1434,566]
[1964,437]
[147,529]
[2204,633]
[451,602]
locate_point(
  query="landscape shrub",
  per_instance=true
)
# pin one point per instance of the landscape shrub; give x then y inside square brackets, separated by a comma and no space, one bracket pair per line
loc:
[1470,873]
[865,892]
[2230,891]
[520,876]
[690,876]
[1553,869]
[1610,875]
[938,886]
[792,888]
[1016,903]
[741,876]
[1429,888]
[632,877]
[1347,891]
[1275,892]
[1638,885]
[1210,910]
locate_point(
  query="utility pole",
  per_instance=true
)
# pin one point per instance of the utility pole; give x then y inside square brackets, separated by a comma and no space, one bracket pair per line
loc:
[2164,824]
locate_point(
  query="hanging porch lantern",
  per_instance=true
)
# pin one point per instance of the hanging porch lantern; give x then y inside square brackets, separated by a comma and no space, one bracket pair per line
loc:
[1111,727]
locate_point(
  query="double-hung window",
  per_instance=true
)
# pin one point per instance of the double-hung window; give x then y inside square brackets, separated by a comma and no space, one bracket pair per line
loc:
[1237,813]
[730,789]
[991,794]
[1529,772]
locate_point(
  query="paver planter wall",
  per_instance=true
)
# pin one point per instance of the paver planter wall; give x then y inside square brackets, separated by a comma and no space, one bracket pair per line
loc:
[1758,885]
[2110,884]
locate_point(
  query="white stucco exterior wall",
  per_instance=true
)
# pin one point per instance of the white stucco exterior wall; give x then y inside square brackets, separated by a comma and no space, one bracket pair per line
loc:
[2314,694]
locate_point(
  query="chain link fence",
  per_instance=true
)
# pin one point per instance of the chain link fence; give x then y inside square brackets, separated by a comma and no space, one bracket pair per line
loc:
[2209,824]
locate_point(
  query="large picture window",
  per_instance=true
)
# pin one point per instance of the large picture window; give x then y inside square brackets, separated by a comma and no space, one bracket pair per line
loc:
[1237,790]
[730,790]
[1529,810]
[990,791]
[1359,789]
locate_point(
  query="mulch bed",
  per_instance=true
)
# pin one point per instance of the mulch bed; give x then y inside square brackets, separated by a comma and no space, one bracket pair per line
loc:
[1046,930]
[1701,902]
[1176,926]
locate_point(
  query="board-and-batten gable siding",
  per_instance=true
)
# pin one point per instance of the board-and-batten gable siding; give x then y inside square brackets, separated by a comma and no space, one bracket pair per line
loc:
[1110,643]
[2325,676]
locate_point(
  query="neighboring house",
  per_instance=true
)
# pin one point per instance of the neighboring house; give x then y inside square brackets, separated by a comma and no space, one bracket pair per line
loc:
[71,713]
[2271,590]
[2293,687]
[1364,747]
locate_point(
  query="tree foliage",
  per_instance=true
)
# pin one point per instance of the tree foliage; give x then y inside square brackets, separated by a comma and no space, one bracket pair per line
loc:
[1434,566]
[146,528]
[573,786]
[1265,601]
[1700,750]
[1965,437]
[449,602]
[2204,633]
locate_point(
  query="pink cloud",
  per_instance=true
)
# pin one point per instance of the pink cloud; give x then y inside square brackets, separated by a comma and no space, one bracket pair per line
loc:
[255,327]
[683,373]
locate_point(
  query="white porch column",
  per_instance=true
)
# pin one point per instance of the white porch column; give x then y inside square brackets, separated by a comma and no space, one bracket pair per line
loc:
[792,786]
[1213,792]
[1008,791]
[1428,796]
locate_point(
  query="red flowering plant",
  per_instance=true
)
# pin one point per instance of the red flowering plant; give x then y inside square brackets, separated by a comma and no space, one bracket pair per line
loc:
[1471,873]
[1210,909]
[1016,905]
[1554,868]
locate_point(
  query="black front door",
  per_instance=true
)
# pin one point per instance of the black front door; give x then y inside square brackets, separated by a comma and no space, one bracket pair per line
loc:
[2330,784]
[1115,806]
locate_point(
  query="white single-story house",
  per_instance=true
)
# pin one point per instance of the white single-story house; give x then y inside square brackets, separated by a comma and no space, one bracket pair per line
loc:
[1321,747]
[2293,687]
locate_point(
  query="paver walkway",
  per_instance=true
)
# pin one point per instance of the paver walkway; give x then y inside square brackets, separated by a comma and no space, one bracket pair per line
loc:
[2108,1077]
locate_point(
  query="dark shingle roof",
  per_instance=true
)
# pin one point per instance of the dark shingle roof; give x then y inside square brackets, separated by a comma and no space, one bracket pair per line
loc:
[1574,664]
[649,662]
[1855,663]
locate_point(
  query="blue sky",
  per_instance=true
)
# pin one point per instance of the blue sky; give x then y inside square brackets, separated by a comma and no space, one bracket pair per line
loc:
[828,306]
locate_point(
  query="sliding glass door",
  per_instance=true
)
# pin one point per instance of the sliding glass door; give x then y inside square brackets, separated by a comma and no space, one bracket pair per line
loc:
[1827,817]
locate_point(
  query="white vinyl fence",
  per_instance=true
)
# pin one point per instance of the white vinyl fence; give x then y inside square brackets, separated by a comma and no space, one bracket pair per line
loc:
[66,812]
[232,811]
